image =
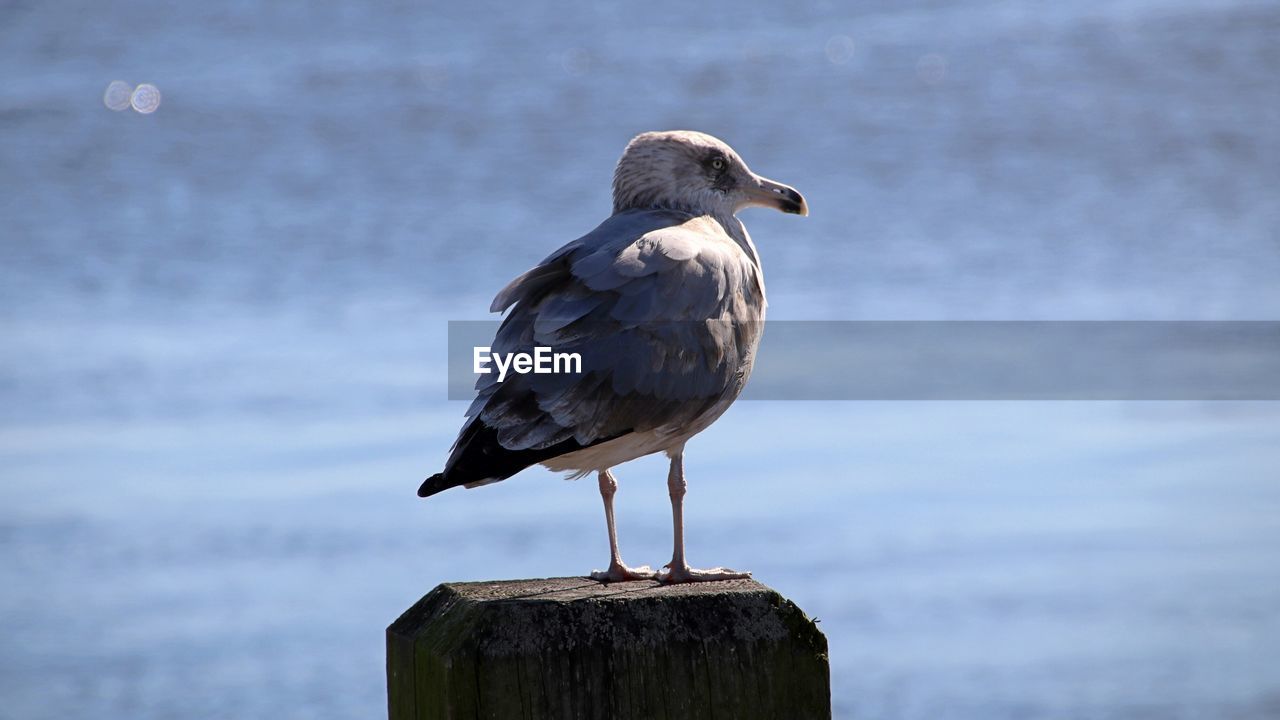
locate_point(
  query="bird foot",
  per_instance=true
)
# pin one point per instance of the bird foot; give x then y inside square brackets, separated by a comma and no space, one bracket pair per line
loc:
[618,572]
[684,574]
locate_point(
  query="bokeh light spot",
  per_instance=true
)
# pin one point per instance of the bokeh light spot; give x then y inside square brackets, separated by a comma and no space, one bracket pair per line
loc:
[117,95]
[146,98]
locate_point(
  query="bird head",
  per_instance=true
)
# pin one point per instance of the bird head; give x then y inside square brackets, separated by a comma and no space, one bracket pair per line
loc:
[694,172]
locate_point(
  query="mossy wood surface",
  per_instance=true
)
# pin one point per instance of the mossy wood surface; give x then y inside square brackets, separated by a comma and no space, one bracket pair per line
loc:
[576,648]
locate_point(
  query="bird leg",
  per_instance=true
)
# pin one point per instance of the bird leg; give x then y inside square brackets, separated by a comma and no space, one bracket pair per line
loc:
[678,571]
[617,571]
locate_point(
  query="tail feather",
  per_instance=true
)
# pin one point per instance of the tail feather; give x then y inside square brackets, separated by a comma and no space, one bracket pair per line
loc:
[433,485]
[479,459]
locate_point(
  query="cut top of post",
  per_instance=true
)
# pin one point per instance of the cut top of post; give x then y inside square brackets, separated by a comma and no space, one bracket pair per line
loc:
[572,589]
[578,648]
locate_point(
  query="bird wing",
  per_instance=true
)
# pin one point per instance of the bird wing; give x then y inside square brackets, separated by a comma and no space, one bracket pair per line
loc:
[664,310]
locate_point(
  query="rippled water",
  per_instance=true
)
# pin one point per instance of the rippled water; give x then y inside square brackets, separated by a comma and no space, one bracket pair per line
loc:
[221,377]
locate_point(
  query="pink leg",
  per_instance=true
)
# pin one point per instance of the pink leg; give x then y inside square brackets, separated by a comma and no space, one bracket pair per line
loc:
[678,570]
[617,571]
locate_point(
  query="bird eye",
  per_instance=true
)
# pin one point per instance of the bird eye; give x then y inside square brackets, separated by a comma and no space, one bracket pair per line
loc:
[717,163]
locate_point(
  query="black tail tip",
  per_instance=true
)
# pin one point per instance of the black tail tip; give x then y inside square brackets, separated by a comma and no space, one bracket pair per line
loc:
[432,485]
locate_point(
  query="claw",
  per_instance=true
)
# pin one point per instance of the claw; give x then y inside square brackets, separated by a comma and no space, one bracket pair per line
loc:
[684,574]
[622,573]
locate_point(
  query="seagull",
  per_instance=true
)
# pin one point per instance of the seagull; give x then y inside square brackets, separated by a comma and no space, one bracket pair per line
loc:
[664,303]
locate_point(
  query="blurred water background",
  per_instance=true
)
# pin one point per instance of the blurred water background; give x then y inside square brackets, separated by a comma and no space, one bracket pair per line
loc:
[221,370]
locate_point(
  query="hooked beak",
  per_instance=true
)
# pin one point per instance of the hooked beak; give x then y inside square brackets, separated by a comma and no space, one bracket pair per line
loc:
[768,193]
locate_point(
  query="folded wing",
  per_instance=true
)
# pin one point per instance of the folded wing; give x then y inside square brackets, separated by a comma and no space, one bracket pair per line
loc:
[664,310]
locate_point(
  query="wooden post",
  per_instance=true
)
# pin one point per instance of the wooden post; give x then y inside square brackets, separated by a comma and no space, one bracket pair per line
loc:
[577,648]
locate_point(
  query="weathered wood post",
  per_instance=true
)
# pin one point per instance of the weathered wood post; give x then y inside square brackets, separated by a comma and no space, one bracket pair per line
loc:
[577,648]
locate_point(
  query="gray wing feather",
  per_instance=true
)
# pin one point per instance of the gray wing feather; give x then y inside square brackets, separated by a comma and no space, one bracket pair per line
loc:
[646,300]
[533,281]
